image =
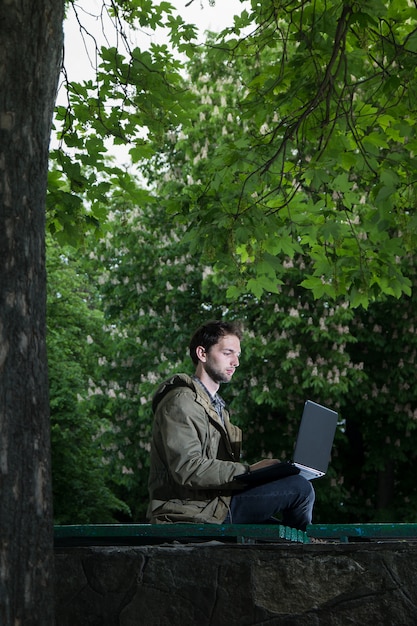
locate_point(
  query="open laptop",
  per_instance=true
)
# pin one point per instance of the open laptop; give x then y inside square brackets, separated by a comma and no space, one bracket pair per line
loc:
[312,449]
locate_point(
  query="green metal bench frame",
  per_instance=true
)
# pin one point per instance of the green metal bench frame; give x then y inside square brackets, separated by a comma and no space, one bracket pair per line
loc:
[158,533]
[143,534]
[364,532]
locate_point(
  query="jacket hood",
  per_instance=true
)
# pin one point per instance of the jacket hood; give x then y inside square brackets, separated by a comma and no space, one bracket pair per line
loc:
[178,380]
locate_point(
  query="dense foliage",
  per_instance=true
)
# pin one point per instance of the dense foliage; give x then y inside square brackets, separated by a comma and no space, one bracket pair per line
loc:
[279,193]
[381,413]
[360,362]
[76,341]
[154,295]
[317,145]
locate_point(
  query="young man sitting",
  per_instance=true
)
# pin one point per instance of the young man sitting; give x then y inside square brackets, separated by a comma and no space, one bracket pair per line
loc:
[195,449]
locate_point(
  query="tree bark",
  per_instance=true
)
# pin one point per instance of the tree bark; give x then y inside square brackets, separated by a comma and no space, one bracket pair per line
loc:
[30,57]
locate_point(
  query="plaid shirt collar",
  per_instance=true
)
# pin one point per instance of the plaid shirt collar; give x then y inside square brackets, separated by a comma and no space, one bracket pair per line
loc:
[216,400]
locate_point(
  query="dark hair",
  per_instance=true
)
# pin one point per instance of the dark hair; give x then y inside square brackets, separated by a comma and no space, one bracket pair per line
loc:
[210,333]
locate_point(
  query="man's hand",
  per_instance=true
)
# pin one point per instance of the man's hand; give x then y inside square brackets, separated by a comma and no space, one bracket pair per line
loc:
[263,463]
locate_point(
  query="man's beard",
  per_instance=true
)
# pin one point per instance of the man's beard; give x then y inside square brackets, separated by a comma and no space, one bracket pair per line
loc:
[215,375]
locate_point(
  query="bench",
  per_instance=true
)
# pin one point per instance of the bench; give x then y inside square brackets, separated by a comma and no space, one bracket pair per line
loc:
[145,534]
[363,532]
[141,534]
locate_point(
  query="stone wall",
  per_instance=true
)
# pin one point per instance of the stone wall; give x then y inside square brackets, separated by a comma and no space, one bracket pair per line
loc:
[223,584]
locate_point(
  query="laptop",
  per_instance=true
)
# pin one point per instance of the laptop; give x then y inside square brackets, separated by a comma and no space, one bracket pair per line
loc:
[312,449]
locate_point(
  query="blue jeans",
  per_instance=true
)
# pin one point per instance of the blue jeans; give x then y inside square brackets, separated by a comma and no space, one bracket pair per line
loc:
[293,497]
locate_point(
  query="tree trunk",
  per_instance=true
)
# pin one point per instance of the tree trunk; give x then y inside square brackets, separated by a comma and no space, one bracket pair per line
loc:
[30,55]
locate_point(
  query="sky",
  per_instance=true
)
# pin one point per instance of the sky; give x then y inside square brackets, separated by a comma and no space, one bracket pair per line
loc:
[79,58]
[200,12]
[209,18]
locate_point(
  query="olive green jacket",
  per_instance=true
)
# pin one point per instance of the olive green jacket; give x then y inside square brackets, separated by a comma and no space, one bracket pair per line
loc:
[194,458]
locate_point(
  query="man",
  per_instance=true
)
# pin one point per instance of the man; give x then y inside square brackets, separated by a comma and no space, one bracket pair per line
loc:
[195,450]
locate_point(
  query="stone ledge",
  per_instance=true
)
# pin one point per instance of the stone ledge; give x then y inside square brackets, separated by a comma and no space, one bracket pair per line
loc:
[222,584]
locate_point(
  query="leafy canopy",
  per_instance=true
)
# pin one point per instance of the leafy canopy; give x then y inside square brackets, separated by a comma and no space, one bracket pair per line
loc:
[316,154]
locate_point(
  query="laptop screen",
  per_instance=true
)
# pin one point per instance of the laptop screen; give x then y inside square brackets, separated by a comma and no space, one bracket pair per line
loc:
[315,436]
